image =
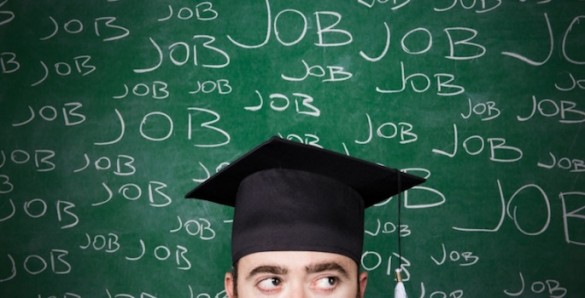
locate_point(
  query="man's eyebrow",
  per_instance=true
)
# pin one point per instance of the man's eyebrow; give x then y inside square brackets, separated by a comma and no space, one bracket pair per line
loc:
[276,270]
[327,266]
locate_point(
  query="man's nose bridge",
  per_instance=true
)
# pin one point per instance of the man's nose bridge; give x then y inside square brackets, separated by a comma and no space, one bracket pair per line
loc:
[300,294]
[298,290]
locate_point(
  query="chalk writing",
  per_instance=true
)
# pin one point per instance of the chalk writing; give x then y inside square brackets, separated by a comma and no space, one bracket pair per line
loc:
[373,260]
[480,6]
[221,294]
[49,113]
[8,62]
[566,38]
[55,261]
[565,110]
[132,192]
[465,258]
[306,138]
[550,287]
[421,83]
[462,45]
[180,53]
[206,173]
[458,293]
[108,243]
[80,66]
[388,228]
[75,26]
[573,219]
[203,11]
[390,130]
[573,84]
[486,111]
[123,166]
[111,111]
[156,90]
[200,227]
[38,208]
[475,145]
[6,15]
[303,103]
[41,159]
[126,295]
[327,30]
[573,165]
[176,255]
[335,73]
[221,86]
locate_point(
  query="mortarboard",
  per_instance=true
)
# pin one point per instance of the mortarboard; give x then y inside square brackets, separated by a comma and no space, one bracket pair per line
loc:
[290,196]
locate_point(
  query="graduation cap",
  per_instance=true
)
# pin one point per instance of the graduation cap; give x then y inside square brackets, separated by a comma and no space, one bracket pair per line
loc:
[290,196]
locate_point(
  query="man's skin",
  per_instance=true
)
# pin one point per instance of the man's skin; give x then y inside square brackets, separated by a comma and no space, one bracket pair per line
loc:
[277,274]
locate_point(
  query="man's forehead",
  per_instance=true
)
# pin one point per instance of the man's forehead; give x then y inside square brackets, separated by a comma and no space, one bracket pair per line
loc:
[298,260]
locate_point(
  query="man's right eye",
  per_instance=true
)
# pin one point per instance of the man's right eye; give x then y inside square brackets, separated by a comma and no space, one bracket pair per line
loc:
[270,284]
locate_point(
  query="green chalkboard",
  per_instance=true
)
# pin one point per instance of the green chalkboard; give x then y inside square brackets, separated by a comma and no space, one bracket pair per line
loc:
[111,110]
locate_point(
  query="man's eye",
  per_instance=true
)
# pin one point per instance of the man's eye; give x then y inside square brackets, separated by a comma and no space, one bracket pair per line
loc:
[269,284]
[327,283]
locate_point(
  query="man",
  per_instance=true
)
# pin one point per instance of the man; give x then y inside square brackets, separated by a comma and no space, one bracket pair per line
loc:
[299,219]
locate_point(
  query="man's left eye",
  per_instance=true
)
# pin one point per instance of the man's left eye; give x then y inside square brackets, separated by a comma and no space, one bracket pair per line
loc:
[327,283]
[269,284]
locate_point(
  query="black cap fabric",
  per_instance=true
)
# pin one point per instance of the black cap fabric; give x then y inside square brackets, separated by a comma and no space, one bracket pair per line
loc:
[290,196]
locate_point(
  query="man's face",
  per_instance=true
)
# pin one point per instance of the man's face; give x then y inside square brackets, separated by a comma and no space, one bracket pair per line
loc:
[296,274]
